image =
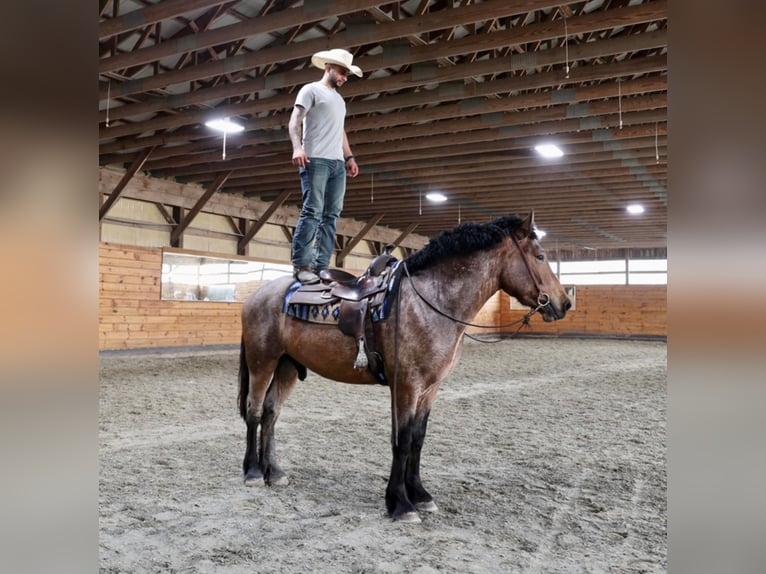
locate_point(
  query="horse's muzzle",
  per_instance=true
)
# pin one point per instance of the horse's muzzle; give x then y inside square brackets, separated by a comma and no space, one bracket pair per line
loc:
[556,310]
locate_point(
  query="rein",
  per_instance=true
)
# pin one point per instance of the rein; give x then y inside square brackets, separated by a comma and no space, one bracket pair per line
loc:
[543,299]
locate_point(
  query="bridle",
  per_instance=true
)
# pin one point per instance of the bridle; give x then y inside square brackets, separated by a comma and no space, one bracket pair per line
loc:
[543,299]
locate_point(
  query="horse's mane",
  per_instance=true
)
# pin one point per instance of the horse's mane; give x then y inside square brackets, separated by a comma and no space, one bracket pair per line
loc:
[464,239]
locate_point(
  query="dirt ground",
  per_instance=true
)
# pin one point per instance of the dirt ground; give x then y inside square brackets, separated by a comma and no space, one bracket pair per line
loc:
[543,455]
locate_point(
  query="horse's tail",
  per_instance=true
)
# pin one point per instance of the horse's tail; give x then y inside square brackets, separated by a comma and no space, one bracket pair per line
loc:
[244,380]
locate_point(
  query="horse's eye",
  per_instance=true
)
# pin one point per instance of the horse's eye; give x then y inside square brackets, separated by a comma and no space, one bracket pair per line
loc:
[540,257]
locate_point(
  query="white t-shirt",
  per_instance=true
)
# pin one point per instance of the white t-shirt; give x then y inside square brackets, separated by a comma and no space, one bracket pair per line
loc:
[324,122]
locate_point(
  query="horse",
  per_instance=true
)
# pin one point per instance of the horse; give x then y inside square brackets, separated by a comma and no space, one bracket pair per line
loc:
[439,289]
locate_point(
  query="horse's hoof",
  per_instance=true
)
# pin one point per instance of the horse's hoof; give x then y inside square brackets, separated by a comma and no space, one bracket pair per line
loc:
[428,506]
[254,480]
[279,480]
[408,518]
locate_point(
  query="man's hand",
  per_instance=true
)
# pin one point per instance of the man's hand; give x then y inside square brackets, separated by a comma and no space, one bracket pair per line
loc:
[300,159]
[352,169]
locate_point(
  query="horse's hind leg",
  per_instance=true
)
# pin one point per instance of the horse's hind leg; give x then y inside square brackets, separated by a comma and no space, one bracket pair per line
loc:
[254,386]
[281,386]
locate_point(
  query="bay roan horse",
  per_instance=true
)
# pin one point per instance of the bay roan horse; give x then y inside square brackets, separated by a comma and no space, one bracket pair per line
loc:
[443,286]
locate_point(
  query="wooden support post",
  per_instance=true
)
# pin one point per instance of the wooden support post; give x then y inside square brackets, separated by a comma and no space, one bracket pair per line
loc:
[184,223]
[134,167]
[276,204]
[340,258]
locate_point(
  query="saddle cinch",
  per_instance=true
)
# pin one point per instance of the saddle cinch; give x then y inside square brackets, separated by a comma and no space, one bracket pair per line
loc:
[352,299]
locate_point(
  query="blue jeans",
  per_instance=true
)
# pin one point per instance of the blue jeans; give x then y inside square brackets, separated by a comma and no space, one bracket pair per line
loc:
[323,183]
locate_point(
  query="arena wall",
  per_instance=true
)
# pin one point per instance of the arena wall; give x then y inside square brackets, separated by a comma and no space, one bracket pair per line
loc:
[132,314]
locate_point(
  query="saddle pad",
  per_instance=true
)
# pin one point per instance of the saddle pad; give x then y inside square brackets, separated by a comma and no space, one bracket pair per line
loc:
[327,314]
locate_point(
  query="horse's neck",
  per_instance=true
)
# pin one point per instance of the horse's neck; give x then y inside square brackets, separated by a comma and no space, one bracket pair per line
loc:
[459,290]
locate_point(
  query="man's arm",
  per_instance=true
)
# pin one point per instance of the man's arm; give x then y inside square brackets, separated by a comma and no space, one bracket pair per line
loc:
[295,129]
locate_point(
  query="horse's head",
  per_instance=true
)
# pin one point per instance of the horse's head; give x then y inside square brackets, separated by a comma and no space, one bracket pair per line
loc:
[529,277]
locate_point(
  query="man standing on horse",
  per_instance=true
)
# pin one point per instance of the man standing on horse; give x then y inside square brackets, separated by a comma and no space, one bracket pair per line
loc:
[322,154]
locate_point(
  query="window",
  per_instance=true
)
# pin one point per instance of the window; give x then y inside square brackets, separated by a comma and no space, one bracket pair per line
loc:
[648,271]
[614,272]
[189,277]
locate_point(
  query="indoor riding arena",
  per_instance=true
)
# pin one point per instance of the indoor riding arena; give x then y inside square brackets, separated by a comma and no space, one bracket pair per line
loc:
[546,444]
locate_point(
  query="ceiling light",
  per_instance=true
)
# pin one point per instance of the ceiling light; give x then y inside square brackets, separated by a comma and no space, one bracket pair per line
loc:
[549,150]
[635,209]
[436,197]
[225,125]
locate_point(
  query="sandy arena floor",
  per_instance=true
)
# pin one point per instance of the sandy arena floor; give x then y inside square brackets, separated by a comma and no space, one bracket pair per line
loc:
[544,455]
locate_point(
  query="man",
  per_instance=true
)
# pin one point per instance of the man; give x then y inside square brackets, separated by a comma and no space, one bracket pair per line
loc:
[323,156]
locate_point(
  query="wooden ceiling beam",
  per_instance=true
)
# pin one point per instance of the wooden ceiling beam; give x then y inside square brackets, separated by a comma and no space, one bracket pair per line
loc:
[149,189]
[150,15]
[470,102]
[263,220]
[584,114]
[511,179]
[507,115]
[102,6]
[194,211]
[469,165]
[656,10]
[136,166]
[591,50]
[513,169]
[650,179]
[403,235]
[352,242]
[415,39]
[526,97]
[484,189]
[458,108]
[272,22]
[464,132]
[556,212]
[605,140]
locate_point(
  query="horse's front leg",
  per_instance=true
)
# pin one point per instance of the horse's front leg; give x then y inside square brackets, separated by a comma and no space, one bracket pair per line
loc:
[417,494]
[398,503]
[251,465]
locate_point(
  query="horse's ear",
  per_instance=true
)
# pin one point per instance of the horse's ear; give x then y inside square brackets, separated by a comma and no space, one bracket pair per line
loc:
[527,226]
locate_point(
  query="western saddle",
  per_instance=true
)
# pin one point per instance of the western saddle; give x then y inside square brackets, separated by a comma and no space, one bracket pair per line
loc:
[354,298]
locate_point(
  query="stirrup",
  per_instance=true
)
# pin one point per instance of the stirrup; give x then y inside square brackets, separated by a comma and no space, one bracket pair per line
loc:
[361,361]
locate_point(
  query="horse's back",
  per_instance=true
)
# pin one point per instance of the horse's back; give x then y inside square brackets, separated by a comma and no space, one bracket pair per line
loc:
[262,309]
[269,293]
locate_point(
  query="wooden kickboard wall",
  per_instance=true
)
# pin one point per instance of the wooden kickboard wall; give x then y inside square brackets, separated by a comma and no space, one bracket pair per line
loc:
[609,310]
[132,315]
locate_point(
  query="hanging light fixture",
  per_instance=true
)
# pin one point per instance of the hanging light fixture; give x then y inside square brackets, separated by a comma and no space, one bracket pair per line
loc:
[226,126]
[436,197]
[549,151]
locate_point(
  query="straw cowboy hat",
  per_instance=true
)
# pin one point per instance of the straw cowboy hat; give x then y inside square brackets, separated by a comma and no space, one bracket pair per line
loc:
[338,57]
